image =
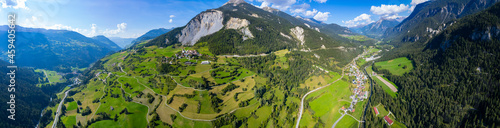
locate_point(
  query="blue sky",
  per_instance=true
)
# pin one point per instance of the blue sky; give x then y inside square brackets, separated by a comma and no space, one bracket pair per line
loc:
[132,18]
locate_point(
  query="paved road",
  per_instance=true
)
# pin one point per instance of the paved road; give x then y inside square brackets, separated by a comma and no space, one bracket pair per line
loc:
[302,101]
[263,54]
[58,112]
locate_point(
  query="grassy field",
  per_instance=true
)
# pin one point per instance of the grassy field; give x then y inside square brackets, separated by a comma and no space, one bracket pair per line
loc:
[396,66]
[385,87]
[68,121]
[326,103]
[383,112]
[51,75]
[71,106]
[347,122]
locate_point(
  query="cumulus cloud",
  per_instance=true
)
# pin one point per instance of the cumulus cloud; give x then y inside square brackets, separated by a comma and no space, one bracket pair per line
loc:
[16,4]
[395,17]
[311,13]
[119,28]
[320,1]
[360,20]
[171,16]
[301,8]
[389,9]
[322,16]
[93,30]
[279,4]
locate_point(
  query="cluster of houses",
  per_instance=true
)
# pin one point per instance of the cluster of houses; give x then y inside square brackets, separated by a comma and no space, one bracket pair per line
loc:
[359,81]
[187,54]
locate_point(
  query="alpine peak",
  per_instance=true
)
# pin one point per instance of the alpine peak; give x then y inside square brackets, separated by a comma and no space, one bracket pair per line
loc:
[235,2]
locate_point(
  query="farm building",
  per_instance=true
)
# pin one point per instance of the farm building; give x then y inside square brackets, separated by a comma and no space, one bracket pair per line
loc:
[376,110]
[388,120]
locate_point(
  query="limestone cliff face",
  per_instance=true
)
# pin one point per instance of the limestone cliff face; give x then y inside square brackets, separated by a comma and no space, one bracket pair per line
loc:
[240,24]
[203,24]
[298,33]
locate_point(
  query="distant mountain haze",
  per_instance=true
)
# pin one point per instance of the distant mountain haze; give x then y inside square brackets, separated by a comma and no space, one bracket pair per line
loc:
[55,49]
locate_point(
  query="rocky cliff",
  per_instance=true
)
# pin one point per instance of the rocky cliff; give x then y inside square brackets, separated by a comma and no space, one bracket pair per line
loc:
[203,24]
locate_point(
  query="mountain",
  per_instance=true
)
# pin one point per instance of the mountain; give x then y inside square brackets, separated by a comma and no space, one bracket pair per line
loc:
[151,34]
[110,44]
[233,66]
[54,49]
[122,42]
[29,99]
[377,29]
[333,30]
[430,18]
[245,29]
[455,82]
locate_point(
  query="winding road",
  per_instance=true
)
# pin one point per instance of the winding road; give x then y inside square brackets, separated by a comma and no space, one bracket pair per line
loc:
[58,112]
[302,101]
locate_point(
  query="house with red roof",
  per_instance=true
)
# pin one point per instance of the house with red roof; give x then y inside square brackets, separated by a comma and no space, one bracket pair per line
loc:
[388,120]
[376,110]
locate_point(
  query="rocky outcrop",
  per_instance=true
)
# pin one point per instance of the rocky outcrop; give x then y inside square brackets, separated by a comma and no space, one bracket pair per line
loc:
[235,2]
[203,24]
[284,35]
[241,25]
[486,35]
[298,33]
[236,23]
[271,10]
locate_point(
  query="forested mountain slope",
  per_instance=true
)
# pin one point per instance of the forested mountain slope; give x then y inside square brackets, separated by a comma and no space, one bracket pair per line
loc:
[432,17]
[58,50]
[455,82]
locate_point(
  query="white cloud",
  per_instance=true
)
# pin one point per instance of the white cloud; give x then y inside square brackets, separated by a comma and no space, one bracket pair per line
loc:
[16,4]
[93,30]
[362,19]
[279,4]
[170,21]
[320,1]
[414,3]
[172,16]
[388,9]
[311,13]
[119,28]
[322,16]
[301,8]
[395,17]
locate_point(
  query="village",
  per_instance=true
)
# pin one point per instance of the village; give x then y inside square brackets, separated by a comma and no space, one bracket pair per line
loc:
[358,92]
[188,54]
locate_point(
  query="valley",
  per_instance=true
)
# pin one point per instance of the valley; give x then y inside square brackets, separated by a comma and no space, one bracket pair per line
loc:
[240,65]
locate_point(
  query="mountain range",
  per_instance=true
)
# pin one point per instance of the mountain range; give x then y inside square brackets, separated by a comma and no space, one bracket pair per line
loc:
[376,29]
[239,65]
[58,50]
